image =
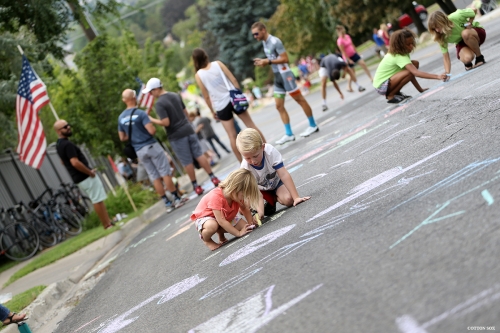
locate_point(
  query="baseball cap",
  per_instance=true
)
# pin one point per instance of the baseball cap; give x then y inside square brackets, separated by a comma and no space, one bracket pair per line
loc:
[153,83]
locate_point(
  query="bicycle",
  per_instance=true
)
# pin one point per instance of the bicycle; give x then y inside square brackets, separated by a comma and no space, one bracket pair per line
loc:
[18,240]
[48,233]
[82,203]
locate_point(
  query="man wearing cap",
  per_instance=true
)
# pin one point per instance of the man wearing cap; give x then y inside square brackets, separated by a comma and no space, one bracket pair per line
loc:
[79,170]
[148,150]
[184,141]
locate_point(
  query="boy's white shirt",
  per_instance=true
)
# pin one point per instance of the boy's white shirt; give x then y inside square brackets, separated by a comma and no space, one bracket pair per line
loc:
[267,177]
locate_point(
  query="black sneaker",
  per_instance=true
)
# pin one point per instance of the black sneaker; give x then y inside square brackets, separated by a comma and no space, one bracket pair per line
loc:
[269,209]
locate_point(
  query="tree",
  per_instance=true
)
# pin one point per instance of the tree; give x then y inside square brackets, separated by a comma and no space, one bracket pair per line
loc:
[173,11]
[230,22]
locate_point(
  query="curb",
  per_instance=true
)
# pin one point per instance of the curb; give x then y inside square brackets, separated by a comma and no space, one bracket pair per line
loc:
[50,307]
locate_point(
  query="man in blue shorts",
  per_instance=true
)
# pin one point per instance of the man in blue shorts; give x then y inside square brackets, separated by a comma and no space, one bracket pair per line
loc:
[184,141]
[148,150]
[284,81]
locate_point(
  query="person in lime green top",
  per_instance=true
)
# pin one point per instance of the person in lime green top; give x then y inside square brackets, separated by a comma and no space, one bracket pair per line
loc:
[397,69]
[459,28]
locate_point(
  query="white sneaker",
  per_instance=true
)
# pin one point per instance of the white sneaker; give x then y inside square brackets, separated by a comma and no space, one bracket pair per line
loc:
[178,203]
[325,108]
[310,130]
[285,139]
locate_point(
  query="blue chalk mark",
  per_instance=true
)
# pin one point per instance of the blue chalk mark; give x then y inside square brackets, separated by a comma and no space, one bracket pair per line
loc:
[430,220]
[297,167]
[487,196]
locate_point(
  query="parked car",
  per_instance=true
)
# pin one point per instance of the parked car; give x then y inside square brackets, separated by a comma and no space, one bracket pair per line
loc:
[405,19]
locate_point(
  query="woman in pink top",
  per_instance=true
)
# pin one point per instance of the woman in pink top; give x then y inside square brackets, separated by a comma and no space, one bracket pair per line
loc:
[349,52]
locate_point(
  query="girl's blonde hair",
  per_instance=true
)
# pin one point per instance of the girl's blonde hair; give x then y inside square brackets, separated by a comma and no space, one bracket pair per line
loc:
[242,181]
[249,140]
[441,21]
[397,43]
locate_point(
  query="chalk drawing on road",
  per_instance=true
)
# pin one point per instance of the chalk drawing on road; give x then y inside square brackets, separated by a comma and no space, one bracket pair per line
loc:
[326,121]
[458,176]
[407,324]
[389,138]
[146,238]
[313,178]
[181,219]
[236,241]
[255,245]
[374,136]
[230,283]
[212,255]
[432,219]
[180,231]
[379,180]
[249,315]
[431,92]
[332,222]
[341,164]
[171,292]
[488,197]
[84,325]
[295,168]
[283,252]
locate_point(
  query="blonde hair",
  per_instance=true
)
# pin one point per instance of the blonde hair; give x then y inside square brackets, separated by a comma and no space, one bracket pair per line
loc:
[249,140]
[440,20]
[242,181]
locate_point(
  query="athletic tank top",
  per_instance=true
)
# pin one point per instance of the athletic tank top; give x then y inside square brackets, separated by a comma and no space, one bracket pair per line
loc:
[213,82]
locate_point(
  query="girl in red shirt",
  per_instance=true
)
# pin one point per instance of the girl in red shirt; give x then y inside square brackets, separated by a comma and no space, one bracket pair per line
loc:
[216,212]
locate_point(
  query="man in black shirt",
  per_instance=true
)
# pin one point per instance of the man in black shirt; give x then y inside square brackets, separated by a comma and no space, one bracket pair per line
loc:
[79,170]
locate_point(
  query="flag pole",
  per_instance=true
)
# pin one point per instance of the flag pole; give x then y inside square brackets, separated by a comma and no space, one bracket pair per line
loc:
[50,103]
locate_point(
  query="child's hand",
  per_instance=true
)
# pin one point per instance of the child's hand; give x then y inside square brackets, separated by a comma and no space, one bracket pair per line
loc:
[296,201]
[246,229]
[443,77]
[424,89]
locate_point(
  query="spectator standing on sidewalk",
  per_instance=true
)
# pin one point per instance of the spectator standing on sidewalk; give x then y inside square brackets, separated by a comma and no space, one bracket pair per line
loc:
[148,150]
[349,52]
[78,168]
[380,47]
[284,81]
[184,141]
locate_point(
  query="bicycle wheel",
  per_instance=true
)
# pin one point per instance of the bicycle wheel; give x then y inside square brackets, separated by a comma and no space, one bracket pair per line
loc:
[46,233]
[84,206]
[19,241]
[69,221]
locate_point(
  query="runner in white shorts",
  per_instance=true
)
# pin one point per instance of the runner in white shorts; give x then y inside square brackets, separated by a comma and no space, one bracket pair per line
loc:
[284,81]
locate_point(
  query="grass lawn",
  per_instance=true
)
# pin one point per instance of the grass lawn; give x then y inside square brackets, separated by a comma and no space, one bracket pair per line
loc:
[60,251]
[22,300]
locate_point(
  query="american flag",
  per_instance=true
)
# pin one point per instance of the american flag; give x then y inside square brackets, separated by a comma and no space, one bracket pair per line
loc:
[144,100]
[31,97]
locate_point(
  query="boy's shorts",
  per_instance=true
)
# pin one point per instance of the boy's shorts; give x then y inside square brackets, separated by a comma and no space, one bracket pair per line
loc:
[382,90]
[199,222]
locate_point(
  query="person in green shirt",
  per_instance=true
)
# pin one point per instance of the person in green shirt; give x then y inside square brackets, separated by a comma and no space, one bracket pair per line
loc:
[397,69]
[459,28]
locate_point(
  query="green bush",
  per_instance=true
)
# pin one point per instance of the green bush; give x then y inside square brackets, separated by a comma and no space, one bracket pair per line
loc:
[120,203]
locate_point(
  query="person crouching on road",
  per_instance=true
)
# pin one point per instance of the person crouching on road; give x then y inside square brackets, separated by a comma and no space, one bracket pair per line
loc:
[216,212]
[266,164]
[397,69]
[459,28]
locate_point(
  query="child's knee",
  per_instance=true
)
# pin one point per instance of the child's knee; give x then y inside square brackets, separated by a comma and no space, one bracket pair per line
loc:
[286,200]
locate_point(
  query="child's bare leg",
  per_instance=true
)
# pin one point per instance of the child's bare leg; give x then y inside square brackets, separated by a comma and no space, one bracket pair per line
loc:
[471,39]
[210,227]
[284,197]
[365,68]
[466,55]
[398,81]
[222,237]
[352,77]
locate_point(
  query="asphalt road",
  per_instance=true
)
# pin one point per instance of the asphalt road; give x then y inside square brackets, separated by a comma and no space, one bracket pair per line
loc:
[402,233]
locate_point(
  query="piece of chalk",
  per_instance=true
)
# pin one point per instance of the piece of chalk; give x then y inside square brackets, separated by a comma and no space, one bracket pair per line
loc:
[448,74]
[257,218]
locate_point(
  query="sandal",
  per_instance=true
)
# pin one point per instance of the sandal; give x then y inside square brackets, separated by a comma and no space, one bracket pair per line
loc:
[403,94]
[468,66]
[11,319]
[397,99]
[479,61]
